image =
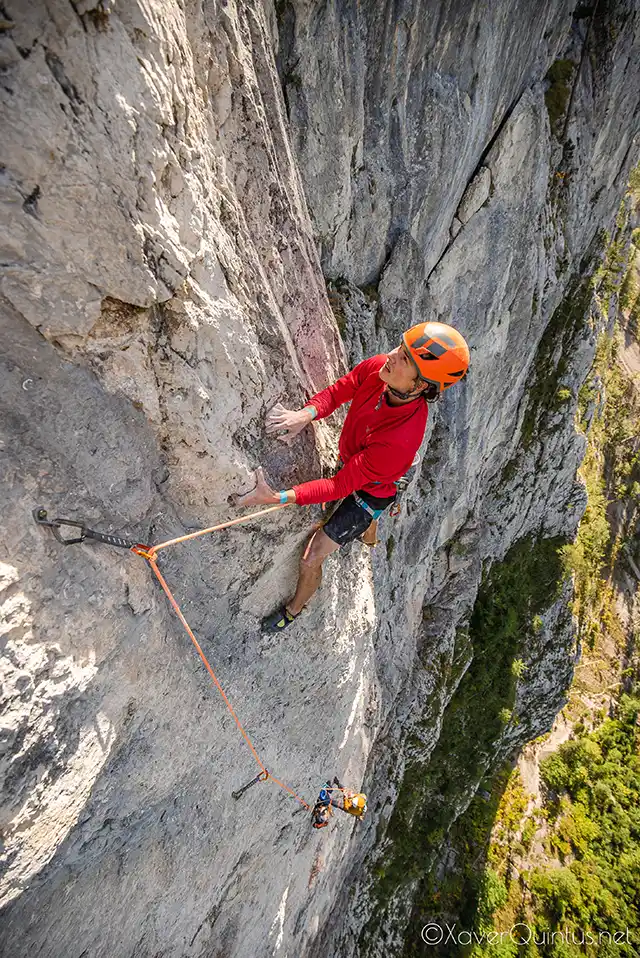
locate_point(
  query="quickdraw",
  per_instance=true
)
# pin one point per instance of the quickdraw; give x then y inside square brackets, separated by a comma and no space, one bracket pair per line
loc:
[40,516]
[260,777]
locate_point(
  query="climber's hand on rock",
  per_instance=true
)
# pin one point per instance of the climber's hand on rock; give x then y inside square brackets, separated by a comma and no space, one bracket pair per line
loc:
[262,495]
[287,423]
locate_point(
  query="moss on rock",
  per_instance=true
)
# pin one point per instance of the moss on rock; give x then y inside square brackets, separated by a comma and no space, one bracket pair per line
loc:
[514,592]
[559,77]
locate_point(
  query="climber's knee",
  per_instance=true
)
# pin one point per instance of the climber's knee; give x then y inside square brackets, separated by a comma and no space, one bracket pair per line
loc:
[317,550]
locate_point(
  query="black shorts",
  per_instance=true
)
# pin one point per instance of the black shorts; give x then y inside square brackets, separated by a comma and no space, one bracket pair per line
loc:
[349,520]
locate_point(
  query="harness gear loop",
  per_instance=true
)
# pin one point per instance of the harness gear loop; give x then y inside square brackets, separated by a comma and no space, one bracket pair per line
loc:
[401,486]
[374,513]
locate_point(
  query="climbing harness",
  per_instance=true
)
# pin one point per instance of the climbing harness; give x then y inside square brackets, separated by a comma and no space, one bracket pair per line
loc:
[321,812]
[374,513]
[150,553]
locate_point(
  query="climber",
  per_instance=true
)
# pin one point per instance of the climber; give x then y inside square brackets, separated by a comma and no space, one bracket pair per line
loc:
[335,795]
[382,432]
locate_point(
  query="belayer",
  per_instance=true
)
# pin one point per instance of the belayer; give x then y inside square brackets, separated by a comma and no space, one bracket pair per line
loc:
[335,795]
[381,435]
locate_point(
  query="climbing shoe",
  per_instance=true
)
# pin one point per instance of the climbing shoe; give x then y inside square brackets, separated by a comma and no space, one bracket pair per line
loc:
[278,621]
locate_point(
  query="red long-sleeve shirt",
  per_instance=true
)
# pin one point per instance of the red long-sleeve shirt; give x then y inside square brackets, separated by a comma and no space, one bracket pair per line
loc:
[378,441]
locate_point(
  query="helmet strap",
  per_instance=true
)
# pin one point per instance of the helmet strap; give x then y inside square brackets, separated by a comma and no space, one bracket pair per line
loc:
[401,395]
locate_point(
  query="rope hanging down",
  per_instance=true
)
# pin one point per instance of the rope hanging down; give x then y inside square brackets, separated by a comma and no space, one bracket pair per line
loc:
[149,553]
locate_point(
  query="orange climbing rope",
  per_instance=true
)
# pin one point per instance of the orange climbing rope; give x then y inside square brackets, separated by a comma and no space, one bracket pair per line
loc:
[176,608]
[149,553]
[223,525]
[150,556]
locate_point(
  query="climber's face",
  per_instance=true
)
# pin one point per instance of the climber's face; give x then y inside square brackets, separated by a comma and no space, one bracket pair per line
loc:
[399,372]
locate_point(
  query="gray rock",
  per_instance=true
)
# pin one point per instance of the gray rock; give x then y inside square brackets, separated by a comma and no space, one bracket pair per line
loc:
[492,454]
[161,289]
[456,226]
[476,195]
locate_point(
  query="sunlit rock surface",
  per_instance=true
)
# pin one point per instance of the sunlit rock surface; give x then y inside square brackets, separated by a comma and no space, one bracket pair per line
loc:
[175,179]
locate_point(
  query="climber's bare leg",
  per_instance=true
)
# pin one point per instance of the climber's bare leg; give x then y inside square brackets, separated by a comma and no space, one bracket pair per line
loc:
[317,550]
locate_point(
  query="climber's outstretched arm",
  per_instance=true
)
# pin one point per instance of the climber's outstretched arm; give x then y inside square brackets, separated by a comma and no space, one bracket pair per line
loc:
[287,423]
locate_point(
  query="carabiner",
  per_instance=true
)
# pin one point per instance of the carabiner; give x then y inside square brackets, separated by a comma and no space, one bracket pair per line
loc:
[40,516]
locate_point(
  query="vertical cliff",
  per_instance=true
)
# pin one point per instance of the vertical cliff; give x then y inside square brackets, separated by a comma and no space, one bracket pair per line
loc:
[160,291]
[176,179]
[456,182]
[544,845]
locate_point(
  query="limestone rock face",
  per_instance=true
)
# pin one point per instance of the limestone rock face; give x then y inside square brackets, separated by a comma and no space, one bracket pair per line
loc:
[161,287]
[160,291]
[412,98]
[457,201]
[476,195]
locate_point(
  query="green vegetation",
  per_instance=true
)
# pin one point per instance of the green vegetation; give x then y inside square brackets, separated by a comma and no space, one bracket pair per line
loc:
[512,594]
[474,893]
[492,894]
[610,275]
[589,826]
[630,289]
[545,392]
[518,668]
[556,98]
[573,865]
[596,829]
[391,543]
[509,815]
[620,430]
[545,395]
[610,470]
[571,869]
[591,820]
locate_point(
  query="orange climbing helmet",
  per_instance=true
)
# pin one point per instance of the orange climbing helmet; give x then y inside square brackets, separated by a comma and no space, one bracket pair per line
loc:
[439,353]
